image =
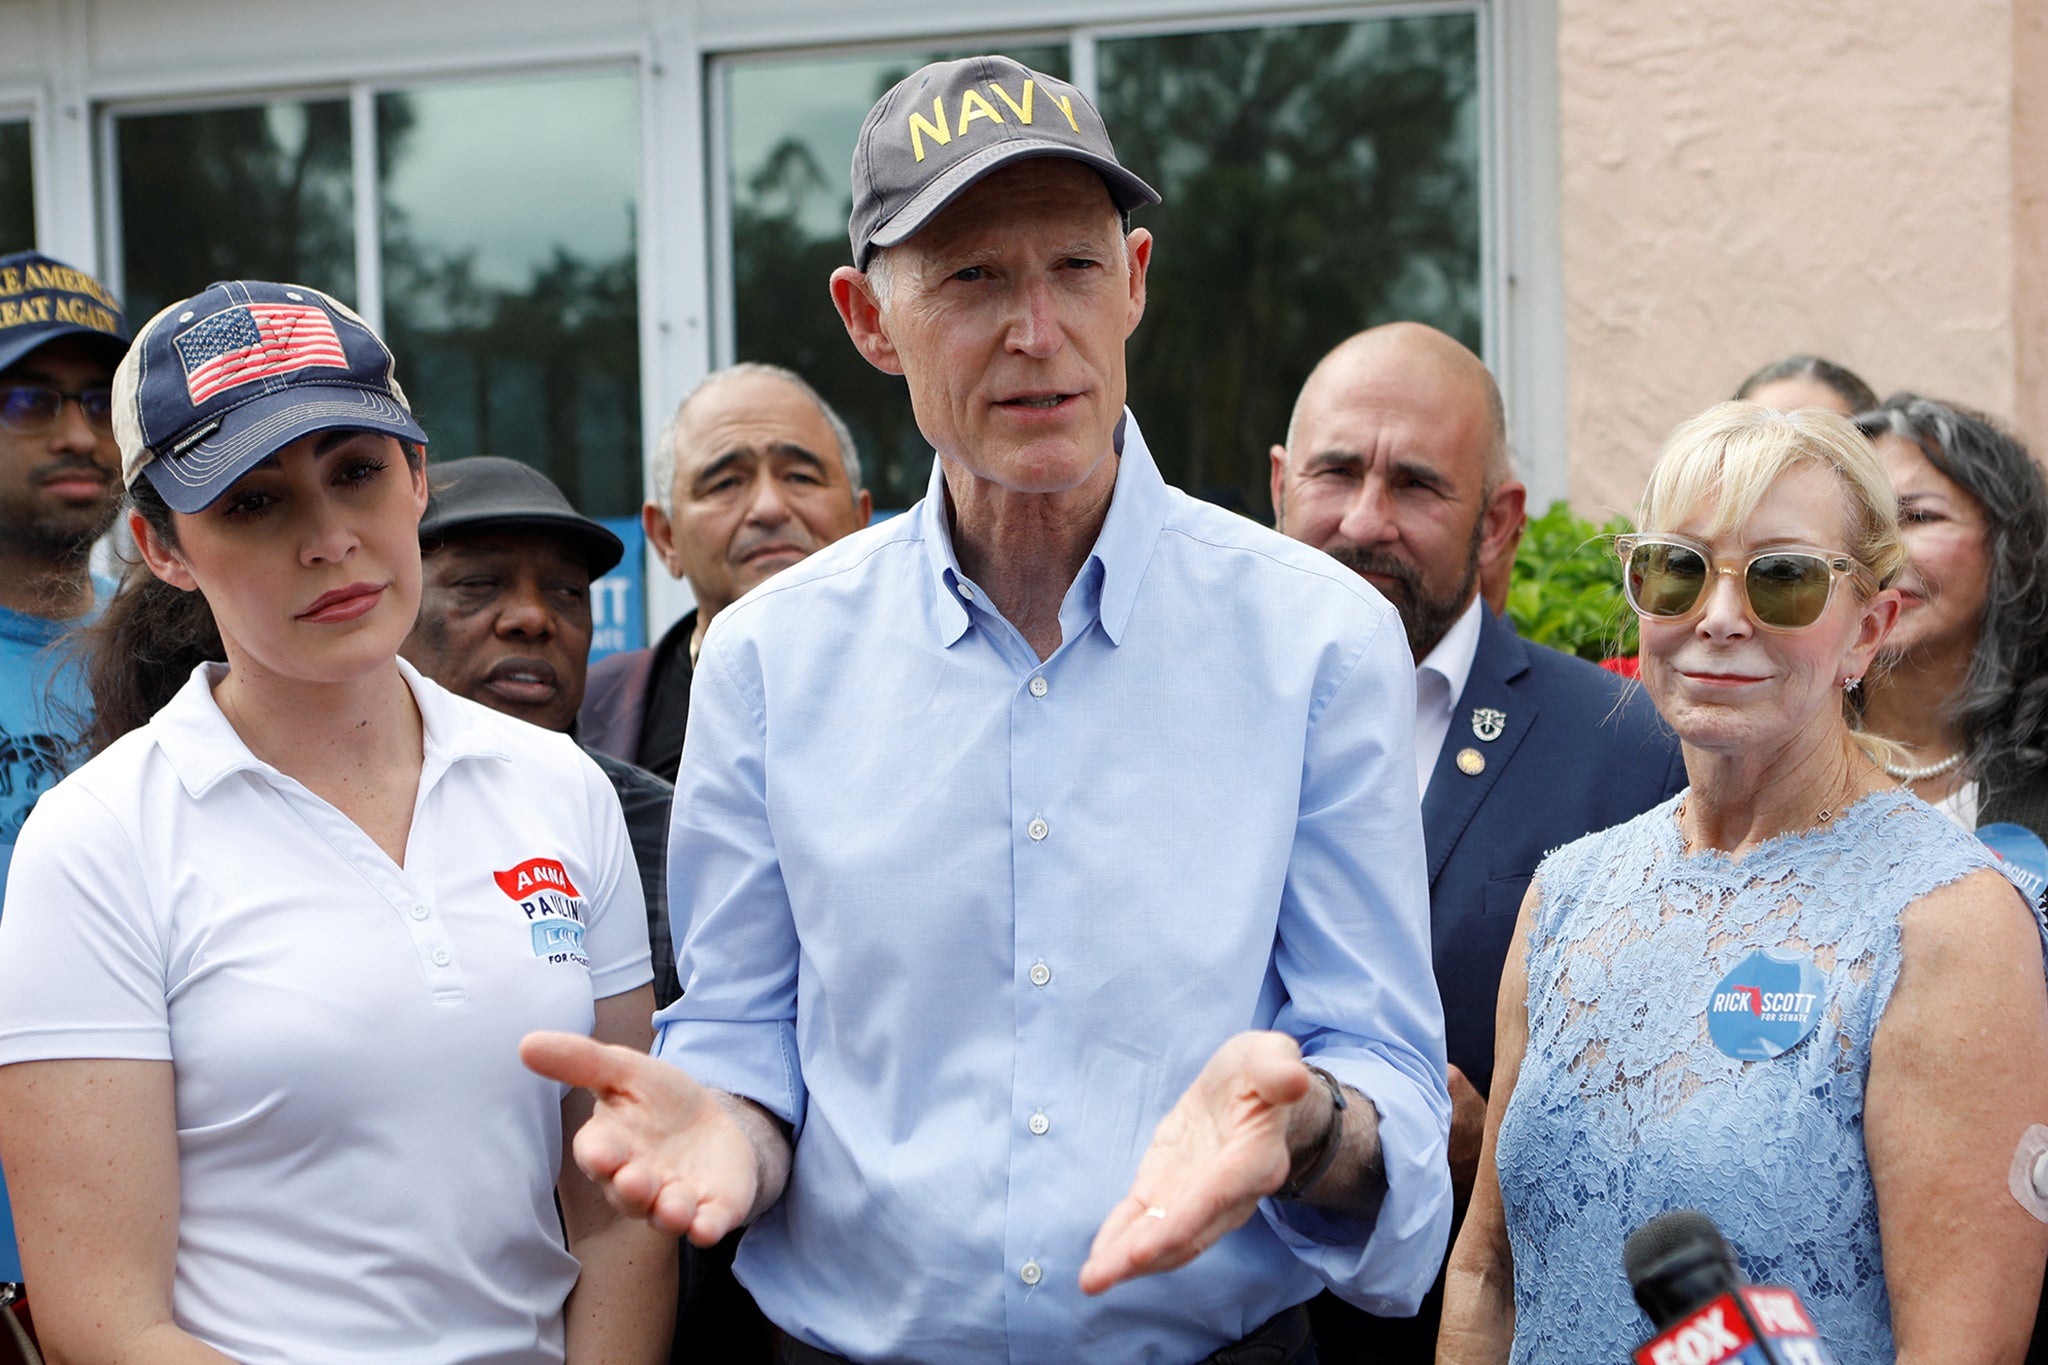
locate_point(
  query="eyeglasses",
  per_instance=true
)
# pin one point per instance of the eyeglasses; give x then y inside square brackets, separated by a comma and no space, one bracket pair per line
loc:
[1666,578]
[30,409]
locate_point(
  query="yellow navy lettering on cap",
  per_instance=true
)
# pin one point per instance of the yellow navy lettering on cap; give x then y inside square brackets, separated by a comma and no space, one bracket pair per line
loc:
[1066,107]
[941,132]
[1022,113]
[974,105]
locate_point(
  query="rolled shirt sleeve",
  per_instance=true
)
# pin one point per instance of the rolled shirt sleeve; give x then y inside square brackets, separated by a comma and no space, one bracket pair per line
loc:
[1353,955]
[735,1027]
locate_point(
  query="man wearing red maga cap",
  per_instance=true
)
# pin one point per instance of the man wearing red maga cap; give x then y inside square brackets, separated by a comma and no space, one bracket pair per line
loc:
[1086,940]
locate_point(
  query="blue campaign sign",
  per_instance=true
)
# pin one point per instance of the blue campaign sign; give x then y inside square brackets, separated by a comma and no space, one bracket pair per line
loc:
[618,601]
[1767,1005]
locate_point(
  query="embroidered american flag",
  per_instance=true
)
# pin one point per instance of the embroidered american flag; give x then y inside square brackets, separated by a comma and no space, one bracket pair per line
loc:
[243,344]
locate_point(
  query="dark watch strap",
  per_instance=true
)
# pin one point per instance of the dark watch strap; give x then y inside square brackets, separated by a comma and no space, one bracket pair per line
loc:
[1316,1161]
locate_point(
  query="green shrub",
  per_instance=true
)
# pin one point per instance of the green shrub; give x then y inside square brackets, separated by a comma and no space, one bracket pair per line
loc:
[1566,590]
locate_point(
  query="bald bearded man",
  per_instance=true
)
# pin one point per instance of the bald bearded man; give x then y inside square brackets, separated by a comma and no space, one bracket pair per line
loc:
[1396,463]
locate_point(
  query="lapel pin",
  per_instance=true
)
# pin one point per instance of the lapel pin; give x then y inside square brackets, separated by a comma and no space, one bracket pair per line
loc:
[1471,762]
[1488,723]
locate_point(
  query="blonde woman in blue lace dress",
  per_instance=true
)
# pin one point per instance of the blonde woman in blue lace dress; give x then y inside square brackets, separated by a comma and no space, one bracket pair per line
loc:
[1794,996]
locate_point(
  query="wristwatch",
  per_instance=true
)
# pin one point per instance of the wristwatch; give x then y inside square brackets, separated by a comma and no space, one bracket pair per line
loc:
[1316,1161]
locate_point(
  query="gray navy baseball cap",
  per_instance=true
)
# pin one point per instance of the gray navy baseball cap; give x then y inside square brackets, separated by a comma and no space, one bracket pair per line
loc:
[945,126]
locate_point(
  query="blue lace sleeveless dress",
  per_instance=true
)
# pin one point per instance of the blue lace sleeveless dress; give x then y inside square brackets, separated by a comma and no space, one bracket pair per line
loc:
[1625,1108]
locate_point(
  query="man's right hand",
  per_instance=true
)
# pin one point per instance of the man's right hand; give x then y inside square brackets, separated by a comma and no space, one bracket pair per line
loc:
[660,1146]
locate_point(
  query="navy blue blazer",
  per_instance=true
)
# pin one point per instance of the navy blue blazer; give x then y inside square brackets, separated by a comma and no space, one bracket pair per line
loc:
[1577,749]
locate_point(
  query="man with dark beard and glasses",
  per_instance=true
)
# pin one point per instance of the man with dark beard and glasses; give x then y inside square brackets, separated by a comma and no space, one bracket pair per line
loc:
[61,335]
[1396,464]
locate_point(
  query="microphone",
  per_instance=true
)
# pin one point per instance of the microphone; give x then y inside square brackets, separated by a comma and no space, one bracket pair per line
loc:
[1685,1277]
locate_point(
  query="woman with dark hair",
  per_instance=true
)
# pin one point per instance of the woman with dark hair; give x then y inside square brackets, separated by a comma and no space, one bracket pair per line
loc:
[266,958]
[1807,381]
[1965,692]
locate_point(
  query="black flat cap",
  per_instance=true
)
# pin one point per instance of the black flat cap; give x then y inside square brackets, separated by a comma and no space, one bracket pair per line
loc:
[489,493]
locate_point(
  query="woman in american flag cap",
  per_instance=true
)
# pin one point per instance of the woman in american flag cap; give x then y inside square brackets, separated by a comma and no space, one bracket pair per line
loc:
[265,959]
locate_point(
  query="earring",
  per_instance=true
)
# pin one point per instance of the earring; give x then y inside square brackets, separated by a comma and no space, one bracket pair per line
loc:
[1851,684]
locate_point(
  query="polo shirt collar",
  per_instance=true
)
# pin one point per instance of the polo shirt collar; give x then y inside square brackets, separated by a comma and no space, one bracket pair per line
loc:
[204,749]
[1115,568]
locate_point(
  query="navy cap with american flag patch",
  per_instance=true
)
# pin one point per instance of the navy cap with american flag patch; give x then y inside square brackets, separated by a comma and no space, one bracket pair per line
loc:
[220,381]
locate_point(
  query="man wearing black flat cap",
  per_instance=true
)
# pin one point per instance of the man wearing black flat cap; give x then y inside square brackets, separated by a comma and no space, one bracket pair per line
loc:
[505,620]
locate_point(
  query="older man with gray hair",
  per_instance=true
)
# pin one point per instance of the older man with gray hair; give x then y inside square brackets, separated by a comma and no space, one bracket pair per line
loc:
[1049,854]
[752,473]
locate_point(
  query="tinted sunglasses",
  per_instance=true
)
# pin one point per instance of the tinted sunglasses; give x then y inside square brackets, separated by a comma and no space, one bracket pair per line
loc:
[1666,579]
[31,409]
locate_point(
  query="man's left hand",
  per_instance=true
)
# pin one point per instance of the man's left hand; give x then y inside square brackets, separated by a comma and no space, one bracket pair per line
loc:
[1219,1150]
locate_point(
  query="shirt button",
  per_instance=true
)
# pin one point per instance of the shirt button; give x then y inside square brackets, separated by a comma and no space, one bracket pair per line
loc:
[1039,687]
[442,957]
[419,912]
[967,592]
[1037,829]
[1038,1125]
[1040,973]
[1031,1274]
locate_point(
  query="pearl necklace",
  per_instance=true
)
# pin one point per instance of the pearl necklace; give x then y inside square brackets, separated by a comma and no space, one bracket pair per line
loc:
[1907,773]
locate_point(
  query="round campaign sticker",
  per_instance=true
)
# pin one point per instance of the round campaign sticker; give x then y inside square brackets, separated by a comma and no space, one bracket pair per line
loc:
[1766,1006]
[2021,856]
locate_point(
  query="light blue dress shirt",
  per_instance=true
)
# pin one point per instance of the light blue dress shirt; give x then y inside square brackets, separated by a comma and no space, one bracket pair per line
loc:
[972,922]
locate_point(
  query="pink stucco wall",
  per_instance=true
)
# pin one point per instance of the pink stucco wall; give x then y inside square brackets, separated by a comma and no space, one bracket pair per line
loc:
[1746,178]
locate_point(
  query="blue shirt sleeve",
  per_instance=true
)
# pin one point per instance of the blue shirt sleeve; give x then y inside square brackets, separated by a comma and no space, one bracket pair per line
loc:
[735,1026]
[1353,955]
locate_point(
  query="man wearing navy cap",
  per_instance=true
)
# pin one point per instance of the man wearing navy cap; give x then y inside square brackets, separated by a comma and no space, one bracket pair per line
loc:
[61,335]
[1056,976]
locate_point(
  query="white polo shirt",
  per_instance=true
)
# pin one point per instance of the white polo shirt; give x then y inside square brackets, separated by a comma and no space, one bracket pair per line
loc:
[367,1171]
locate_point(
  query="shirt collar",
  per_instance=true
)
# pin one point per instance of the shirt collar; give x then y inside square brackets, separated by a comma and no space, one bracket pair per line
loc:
[1115,568]
[1452,658]
[204,749]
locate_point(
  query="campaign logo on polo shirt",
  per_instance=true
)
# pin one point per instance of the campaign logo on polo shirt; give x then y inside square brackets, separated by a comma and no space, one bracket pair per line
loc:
[1766,1006]
[554,908]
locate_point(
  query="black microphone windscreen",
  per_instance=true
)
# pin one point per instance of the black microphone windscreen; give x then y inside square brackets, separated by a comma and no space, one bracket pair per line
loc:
[1652,1244]
[1676,1262]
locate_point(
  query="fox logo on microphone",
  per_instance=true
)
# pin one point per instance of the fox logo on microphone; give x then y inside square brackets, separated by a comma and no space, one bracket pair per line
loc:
[1718,1332]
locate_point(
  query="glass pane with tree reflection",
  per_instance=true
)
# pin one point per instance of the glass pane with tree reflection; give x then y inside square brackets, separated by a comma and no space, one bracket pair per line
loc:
[510,284]
[261,192]
[17,188]
[791,126]
[1317,179]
